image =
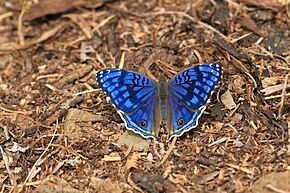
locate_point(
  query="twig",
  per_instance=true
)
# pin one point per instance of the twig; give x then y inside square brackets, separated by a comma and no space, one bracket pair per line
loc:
[36,122]
[86,91]
[280,111]
[205,25]
[6,161]
[243,169]
[218,141]
[276,96]
[16,112]
[38,160]
[46,35]
[122,61]
[245,70]
[133,184]
[271,89]
[25,8]
[271,187]
[240,38]
[168,151]
[70,151]
[5,15]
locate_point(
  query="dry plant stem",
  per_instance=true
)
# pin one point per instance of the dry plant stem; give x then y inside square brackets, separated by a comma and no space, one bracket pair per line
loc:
[133,184]
[128,151]
[17,112]
[276,96]
[205,25]
[5,15]
[122,61]
[245,70]
[168,151]
[271,187]
[6,161]
[283,96]
[240,38]
[86,91]
[25,8]
[171,13]
[38,123]
[72,151]
[19,29]
[241,168]
[38,160]
[155,149]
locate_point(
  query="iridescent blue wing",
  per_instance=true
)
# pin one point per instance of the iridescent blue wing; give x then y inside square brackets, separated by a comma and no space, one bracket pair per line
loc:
[134,97]
[189,91]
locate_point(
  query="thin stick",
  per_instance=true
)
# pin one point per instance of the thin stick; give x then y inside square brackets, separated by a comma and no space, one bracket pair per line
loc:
[38,160]
[6,161]
[168,151]
[205,25]
[283,96]
[276,96]
[25,8]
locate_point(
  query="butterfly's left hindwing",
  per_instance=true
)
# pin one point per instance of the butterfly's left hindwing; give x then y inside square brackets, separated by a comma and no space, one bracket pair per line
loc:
[134,96]
[189,92]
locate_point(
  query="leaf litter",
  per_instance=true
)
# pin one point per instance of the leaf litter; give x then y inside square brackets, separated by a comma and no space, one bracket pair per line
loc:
[48,58]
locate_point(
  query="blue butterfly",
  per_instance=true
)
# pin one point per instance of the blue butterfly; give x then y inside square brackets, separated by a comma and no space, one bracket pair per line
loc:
[144,105]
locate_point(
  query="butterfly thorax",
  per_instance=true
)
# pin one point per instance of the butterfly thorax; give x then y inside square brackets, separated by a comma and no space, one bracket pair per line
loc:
[162,93]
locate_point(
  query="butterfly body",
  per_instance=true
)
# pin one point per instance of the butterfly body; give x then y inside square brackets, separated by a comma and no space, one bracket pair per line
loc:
[162,93]
[144,104]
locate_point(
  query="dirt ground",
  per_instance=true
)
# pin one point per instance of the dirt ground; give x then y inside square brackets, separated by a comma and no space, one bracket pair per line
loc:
[60,134]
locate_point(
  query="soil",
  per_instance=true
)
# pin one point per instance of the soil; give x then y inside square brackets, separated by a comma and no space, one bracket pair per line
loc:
[50,52]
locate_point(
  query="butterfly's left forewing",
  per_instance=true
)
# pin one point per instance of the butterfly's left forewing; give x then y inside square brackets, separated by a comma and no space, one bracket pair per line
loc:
[134,97]
[189,91]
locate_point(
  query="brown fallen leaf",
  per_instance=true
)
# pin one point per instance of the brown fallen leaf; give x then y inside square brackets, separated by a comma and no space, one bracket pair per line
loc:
[55,184]
[273,183]
[44,7]
[11,46]
[228,100]
[73,76]
[104,185]
[132,162]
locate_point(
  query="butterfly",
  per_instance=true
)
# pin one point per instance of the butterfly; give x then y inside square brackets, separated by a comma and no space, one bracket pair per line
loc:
[143,104]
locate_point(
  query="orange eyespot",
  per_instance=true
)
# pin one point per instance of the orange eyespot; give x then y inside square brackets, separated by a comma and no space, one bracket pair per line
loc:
[180,122]
[143,123]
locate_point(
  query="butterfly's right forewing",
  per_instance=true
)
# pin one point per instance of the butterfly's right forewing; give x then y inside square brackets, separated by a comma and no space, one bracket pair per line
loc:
[127,90]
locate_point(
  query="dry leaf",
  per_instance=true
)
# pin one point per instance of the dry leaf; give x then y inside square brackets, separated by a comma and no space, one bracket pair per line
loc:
[228,100]
[132,162]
